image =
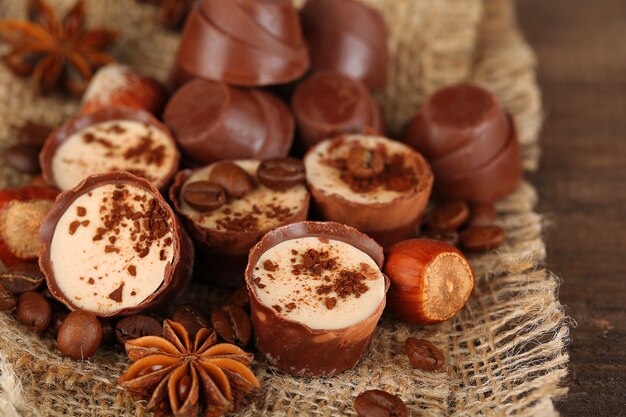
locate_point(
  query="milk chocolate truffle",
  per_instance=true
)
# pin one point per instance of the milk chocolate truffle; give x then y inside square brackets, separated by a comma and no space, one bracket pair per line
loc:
[112,246]
[316,294]
[348,37]
[116,85]
[372,183]
[244,43]
[110,139]
[327,104]
[212,121]
[226,231]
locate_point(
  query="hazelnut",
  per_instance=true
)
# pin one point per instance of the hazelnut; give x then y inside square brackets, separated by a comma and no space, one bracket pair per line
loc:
[430,281]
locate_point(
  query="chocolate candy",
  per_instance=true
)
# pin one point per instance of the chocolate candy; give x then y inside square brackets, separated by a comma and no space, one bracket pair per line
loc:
[470,143]
[93,262]
[212,121]
[329,103]
[347,37]
[244,43]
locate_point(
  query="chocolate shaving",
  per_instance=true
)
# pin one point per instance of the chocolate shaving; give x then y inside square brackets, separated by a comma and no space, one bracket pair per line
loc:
[117,294]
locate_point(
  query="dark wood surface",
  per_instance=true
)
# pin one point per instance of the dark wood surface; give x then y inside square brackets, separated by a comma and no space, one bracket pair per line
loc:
[581,47]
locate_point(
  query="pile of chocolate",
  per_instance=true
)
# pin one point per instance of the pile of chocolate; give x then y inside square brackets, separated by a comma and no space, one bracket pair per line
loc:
[262,165]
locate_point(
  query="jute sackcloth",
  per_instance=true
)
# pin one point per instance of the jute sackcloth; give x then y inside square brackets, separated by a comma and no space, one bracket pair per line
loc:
[505,350]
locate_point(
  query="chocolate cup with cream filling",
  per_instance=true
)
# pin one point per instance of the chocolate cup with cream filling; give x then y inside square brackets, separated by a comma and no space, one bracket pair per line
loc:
[177,272]
[206,51]
[456,117]
[348,37]
[293,346]
[224,253]
[213,121]
[387,222]
[489,182]
[109,114]
[327,104]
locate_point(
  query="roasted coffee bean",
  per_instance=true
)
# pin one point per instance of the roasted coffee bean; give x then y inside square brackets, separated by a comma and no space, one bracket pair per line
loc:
[482,214]
[134,327]
[448,217]
[204,195]
[423,354]
[281,173]
[34,311]
[80,335]
[232,178]
[232,324]
[365,163]
[378,403]
[482,238]
[192,317]
[7,300]
[33,134]
[108,330]
[451,238]
[240,297]
[21,278]
[23,159]
[58,317]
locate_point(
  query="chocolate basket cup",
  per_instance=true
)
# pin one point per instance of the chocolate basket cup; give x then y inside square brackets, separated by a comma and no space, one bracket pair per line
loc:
[294,347]
[207,52]
[436,134]
[177,275]
[490,182]
[83,121]
[212,121]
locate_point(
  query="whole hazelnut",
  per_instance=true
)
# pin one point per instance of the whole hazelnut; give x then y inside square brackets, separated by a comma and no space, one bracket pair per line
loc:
[80,335]
[430,281]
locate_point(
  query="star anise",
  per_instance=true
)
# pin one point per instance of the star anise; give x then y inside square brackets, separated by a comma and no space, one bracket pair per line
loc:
[172,13]
[183,378]
[55,51]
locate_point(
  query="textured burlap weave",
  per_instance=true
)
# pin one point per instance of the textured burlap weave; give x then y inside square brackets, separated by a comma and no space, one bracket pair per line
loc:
[505,350]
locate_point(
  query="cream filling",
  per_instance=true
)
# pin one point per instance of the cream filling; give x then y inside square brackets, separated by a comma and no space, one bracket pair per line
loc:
[265,199]
[117,147]
[328,180]
[280,288]
[87,273]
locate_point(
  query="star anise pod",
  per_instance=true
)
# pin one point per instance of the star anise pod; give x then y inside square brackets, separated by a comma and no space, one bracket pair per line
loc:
[183,378]
[55,51]
[172,13]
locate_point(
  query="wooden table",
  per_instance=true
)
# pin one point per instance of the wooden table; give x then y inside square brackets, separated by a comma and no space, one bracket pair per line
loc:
[581,46]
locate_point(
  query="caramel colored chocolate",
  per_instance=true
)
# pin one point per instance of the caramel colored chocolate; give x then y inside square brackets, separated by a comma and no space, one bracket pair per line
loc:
[212,121]
[327,104]
[348,37]
[293,346]
[245,43]
[177,272]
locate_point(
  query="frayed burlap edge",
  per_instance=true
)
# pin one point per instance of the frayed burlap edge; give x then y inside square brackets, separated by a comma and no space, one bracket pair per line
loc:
[505,349]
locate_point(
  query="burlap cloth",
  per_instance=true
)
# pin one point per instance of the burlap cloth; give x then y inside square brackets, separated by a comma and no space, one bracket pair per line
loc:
[505,350]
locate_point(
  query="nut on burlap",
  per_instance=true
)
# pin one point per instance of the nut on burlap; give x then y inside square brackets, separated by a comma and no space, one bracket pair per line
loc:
[505,349]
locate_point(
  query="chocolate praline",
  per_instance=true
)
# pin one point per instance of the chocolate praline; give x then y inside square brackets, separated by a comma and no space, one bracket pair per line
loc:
[176,271]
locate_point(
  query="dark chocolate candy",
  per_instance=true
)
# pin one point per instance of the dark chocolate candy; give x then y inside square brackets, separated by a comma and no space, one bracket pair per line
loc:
[212,121]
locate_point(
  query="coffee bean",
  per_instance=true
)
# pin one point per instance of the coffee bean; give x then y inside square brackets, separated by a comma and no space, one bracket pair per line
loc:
[23,159]
[232,178]
[482,214]
[108,330]
[448,217]
[378,403]
[58,317]
[482,238]
[423,354]
[192,317]
[365,163]
[7,300]
[80,335]
[34,311]
[232,324]
[21,278]
[451,238]
[204,195]
[281,173]
[240,297]
[134,327]
[33,135]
